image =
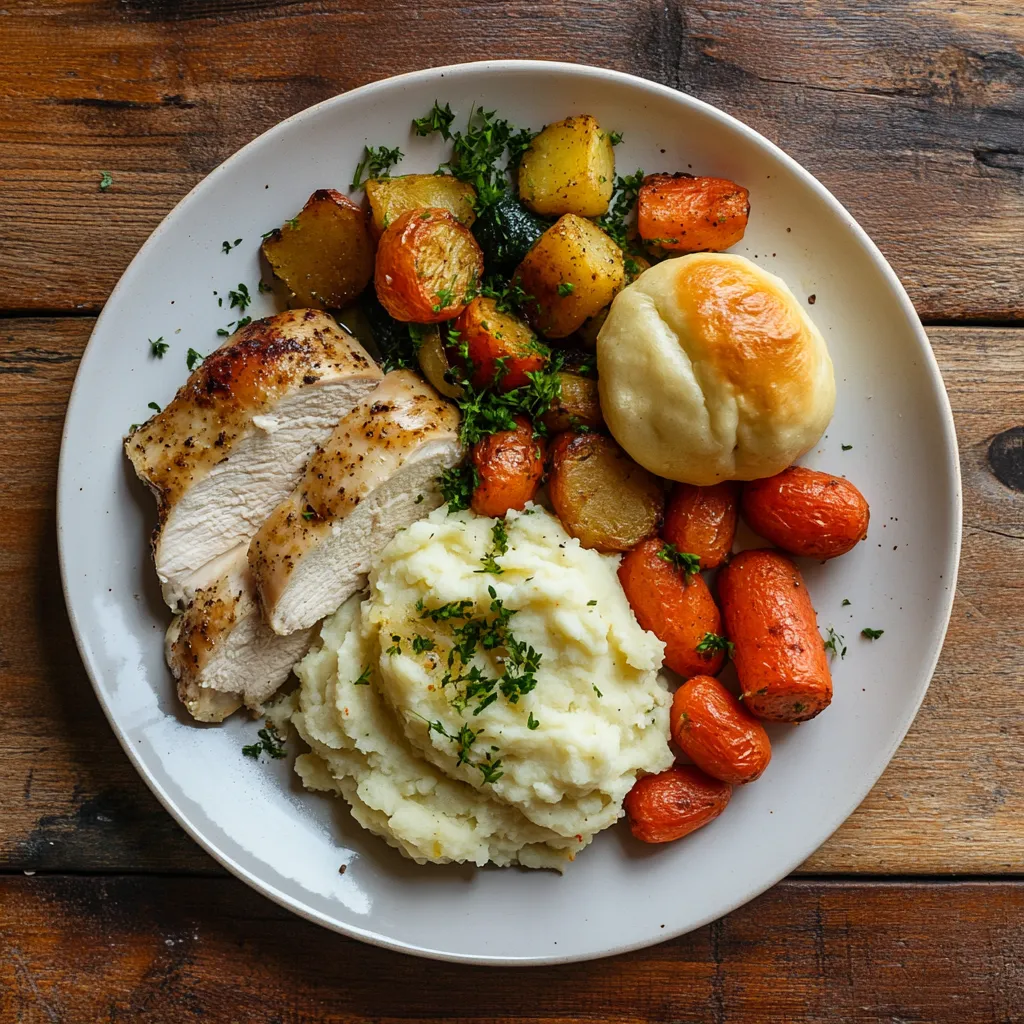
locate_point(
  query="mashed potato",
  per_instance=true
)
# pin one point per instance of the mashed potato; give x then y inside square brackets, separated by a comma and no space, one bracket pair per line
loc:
[473,715]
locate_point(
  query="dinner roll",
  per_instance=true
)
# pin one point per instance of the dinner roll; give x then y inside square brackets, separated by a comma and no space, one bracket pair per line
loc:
[709,369]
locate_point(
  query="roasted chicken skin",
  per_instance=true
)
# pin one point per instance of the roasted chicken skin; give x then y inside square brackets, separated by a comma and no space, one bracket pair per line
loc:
[221,652]
[378,473]
[235,438]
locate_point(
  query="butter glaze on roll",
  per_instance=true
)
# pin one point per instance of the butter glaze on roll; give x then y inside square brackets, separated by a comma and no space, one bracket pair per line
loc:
[710,369]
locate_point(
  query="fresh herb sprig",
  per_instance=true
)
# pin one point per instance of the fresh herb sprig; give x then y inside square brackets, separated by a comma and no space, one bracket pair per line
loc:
[712,643]
[376,163]
[835,643]
[499,547]
[684,561]
[270,742]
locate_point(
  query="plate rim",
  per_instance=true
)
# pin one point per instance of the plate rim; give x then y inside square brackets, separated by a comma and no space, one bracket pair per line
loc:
[930,365]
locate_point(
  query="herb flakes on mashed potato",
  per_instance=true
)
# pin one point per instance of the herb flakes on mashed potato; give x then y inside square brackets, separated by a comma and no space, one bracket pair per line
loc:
[493,699]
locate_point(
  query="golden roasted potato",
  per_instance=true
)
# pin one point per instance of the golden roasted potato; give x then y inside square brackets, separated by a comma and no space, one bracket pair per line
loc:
[391,197]
[577,406]
[434,363]
[323,258]
[569,168]
[572,272]
[600,494]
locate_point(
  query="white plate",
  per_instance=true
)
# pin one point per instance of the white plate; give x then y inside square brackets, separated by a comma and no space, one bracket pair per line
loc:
[289,844]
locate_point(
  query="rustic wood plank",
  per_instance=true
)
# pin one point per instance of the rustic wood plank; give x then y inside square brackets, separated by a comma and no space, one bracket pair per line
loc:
[151,950]
[952,800]
[909,112]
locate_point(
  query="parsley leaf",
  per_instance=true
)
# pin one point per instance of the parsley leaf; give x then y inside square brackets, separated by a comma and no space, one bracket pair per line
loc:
[240,298]
[531,722]
[193,358]
[565,288]
[624,196]
[682,560]
[364,677]
[106,180]
[439,119]
[835,643]
[499,547]
[376,163]
[871,634]
[270,742]
[226,247]
[157,346]
[457,485]
[713,642]
[421,644]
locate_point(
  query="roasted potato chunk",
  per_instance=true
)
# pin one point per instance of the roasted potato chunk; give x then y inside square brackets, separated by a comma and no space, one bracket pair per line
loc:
[600,494]
[577,406]
[680,213]
[571,273]
[569,168]
[428,264]
[500,349]
[391,197]
[323,258]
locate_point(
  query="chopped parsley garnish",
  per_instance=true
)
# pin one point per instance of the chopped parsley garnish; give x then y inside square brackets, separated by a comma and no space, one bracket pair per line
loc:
[438,120]
[239,298]
[476,153]
[531,722]
[396,645]
[615,138]
[871,634]
[226,246]
[486,412]
[235,325]
[499,547]
[846,447]
[565,288]
[292,223]
[153,406]
[376,163]
[157,347]
[592,604]
[846,601]
[270,742]
[421,644]
[624,196]
[364,677]
[597,691]
[309,513]
[712,643]
[106,180]
[457,485]
[835,643]
[490,770]
[193,358]
[263,287]
[682,560]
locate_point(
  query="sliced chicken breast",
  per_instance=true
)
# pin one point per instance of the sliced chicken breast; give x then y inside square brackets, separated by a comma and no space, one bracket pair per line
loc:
[378,473]
[233,442]
[221,652]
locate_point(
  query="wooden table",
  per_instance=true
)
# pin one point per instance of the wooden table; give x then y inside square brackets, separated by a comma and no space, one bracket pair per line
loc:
[912,113]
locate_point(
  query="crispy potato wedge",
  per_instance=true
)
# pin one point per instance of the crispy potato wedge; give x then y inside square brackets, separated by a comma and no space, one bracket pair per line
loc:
[391,197]
[571,273]
[569,168]
[779,654]
[806,512]
[428,264]
[324,257]
[600,494]
[716,732]
[672,804]
[500,349]
[680,213]
[509,467]
[577,406]
[677,608]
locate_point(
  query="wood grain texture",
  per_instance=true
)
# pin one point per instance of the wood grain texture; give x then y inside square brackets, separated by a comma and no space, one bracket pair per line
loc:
[149,950]
[952,800]
[909,110]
